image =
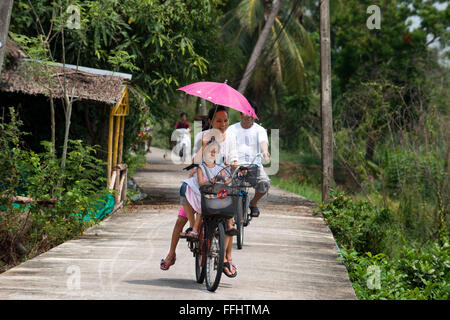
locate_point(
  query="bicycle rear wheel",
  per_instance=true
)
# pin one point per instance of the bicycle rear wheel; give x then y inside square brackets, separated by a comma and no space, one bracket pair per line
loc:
[214,257]
[245,211]
[200,257]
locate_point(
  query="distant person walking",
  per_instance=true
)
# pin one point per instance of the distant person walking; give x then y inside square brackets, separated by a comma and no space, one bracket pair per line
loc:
[182,137]
[183,123]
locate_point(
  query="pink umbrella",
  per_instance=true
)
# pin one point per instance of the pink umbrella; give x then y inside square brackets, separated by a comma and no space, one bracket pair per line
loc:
[220,93]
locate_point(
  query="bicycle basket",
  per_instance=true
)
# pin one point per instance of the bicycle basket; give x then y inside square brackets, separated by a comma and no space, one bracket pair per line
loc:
[250,178]
[218,200]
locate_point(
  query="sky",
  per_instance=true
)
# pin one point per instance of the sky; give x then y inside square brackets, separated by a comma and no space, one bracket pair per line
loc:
[415,23]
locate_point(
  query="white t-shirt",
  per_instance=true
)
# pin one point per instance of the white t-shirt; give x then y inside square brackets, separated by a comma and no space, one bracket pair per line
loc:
[248,141]
[227,152]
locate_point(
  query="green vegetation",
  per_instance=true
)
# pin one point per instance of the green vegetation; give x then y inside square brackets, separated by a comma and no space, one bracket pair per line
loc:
[375,238]
[302,189]
[77,190]
[390,107]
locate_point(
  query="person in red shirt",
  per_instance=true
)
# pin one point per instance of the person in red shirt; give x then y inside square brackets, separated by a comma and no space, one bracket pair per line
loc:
[183,124]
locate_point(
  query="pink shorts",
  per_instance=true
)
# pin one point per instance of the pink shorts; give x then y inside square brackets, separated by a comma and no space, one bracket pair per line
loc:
[181,213]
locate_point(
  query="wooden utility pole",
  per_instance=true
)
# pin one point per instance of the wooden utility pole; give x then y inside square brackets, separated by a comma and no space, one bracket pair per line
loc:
[325,99]
[5,16]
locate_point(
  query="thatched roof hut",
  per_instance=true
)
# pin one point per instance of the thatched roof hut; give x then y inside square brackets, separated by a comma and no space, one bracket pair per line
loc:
[34,77]
[14,50]
[24,76]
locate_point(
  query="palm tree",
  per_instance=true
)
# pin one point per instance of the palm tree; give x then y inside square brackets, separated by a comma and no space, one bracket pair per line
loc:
[276,41]
[5,15]
[259,45]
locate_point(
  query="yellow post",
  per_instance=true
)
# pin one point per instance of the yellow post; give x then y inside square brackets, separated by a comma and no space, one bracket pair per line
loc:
[110,144]
[122,128]
[116,128]
[116,142]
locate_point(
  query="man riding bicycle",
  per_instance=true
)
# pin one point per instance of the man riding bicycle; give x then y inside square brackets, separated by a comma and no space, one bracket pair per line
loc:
[251,139]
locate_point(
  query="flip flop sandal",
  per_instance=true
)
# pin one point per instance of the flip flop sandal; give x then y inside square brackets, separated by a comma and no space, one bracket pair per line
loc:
[231,262]
[231,232]
[164,265]
[227,265]
[254,212]
[191,235]
[184,234]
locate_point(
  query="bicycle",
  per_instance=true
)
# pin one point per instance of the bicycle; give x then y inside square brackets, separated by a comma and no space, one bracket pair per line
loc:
[246,177]
[218,205]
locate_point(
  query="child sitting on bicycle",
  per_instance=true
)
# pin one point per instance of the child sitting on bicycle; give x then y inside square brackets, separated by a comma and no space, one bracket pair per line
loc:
[190,189]
[190,198]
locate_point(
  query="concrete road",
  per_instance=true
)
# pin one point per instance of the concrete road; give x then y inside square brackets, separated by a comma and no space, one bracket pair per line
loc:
[288,253]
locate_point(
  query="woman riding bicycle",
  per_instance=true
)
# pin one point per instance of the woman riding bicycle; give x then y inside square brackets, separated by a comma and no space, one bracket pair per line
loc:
[218,121]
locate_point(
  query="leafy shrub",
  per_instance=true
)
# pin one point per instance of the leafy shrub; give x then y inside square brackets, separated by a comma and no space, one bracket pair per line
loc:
[357,225]
[363,232]
[416,274]
[29,230]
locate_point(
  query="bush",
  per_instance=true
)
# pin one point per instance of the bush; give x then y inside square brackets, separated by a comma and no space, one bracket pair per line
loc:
[423,274]
[28,230]
[358,225]
[378,269]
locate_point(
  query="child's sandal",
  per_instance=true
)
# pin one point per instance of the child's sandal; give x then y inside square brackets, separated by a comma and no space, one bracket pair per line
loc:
[184,234]
[192,235]
[165,264]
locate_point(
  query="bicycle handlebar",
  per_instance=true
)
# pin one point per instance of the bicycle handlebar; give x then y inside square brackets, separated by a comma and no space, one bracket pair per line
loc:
[259,154]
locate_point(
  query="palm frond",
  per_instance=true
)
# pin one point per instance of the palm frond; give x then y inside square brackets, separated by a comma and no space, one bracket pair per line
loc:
[294,74]
[251,14]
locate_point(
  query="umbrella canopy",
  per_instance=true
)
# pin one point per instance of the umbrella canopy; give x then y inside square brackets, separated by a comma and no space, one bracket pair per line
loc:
[222,94]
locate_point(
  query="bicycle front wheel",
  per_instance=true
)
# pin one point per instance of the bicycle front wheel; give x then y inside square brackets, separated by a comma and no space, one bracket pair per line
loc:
[214,257]
[239,219]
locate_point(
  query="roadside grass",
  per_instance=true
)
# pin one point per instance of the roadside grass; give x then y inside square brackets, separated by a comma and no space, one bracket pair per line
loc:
[135,161]
[302,189]
[305,159]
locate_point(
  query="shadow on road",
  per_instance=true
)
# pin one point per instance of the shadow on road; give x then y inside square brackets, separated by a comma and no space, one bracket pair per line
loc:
[173,283]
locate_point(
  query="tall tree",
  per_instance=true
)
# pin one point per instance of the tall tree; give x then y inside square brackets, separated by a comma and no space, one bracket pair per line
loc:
[277,49]
[325,99]
[5,16]
[259,46]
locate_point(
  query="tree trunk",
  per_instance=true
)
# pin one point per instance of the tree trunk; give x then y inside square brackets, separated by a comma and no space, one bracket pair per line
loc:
[370,147]
[53,126]
[258,47]
[5,16]
[325,100]
[68,114]
[203,104]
